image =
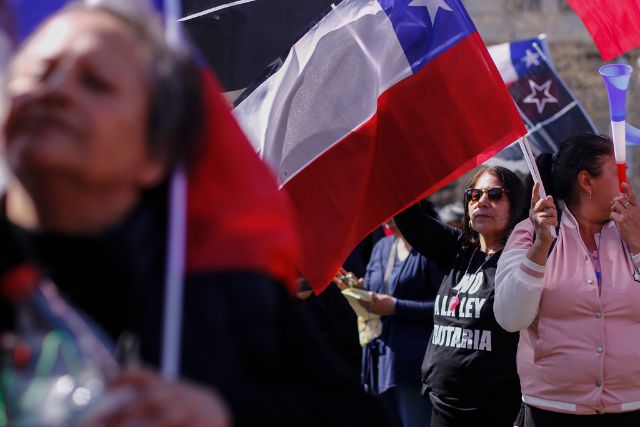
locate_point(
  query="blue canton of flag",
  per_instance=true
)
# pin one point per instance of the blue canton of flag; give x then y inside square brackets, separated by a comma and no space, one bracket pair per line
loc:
[528,53]
[421,43]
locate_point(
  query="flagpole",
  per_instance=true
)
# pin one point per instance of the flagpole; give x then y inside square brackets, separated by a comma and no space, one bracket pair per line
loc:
[176,238]
[172,15]
[533,169]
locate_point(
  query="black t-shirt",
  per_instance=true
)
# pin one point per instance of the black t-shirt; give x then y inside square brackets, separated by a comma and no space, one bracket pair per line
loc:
[470,364]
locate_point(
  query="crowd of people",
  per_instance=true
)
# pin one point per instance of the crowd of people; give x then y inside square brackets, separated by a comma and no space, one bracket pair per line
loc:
[488,317]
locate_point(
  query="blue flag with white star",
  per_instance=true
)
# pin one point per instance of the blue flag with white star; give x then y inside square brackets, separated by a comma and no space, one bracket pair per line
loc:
[547,106]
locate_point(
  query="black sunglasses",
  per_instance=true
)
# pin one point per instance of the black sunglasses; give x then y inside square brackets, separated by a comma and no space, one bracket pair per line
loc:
[494,194]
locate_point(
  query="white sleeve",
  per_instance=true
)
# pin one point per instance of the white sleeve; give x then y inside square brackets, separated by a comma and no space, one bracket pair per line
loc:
[519,282]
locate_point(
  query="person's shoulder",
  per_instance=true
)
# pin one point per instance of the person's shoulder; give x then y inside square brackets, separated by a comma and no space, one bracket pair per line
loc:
[383,243]
[386,240]
[525,224]
[521,236]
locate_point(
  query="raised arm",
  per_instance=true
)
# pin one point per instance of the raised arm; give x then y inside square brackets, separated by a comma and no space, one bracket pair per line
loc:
[433,239]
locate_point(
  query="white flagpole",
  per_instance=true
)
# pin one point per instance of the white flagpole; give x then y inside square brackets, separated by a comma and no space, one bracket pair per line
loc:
[172,13]
[176,238]
[533,168]
[215,9]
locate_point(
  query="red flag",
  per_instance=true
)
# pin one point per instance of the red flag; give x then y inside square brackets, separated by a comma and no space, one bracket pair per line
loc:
[378,105]
[237,220]
[614,25]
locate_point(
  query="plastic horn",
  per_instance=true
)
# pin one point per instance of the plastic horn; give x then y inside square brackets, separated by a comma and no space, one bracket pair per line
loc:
[616,79]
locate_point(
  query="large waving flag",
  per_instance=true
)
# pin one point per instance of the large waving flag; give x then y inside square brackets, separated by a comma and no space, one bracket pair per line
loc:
[379,104]
[547,106]
[239,38]
[614,25]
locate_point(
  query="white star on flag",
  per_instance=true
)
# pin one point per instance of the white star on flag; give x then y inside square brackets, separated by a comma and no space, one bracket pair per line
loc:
[533,98]
[433,6]
[531,58]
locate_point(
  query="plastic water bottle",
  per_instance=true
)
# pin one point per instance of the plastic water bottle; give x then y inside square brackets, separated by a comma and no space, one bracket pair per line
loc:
[56,366]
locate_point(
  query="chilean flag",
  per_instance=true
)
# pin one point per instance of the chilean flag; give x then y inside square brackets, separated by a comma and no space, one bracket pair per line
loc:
[379,104]
[516,59]
[614,25]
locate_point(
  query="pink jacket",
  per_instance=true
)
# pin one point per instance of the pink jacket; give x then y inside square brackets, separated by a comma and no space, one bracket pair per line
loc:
[579,349]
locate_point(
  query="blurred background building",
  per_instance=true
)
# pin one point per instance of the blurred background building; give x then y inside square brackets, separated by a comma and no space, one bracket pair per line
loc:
[574,56]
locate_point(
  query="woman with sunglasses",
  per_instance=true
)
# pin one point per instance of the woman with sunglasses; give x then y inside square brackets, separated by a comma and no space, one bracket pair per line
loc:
[575,301]
[469,369]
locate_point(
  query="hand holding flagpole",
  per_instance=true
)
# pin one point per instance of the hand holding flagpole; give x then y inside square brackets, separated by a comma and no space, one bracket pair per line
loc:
[535,173]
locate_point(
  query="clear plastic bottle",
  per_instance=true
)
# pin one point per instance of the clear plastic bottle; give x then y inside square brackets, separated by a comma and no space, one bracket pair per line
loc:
[56,366]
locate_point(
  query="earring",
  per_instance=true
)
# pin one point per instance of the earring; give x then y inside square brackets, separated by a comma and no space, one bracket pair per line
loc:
[588,194]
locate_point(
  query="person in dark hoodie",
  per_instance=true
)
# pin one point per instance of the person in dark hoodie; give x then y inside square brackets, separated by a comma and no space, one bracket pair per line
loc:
[102,115]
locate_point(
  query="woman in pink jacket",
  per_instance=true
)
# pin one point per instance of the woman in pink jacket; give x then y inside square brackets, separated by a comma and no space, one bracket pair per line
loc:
[576,300]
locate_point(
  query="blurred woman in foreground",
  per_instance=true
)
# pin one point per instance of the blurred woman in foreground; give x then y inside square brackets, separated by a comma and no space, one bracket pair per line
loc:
[101,112]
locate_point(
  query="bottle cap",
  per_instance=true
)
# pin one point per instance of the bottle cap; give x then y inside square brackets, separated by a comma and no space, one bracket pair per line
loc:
[16,283]
[22,355]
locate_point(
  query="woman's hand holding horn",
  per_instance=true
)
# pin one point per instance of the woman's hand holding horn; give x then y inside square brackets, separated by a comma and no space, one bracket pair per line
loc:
[626,214]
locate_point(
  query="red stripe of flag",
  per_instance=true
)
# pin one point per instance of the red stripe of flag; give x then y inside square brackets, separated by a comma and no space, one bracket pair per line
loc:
[614,25]
[426,132]
[237,220]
